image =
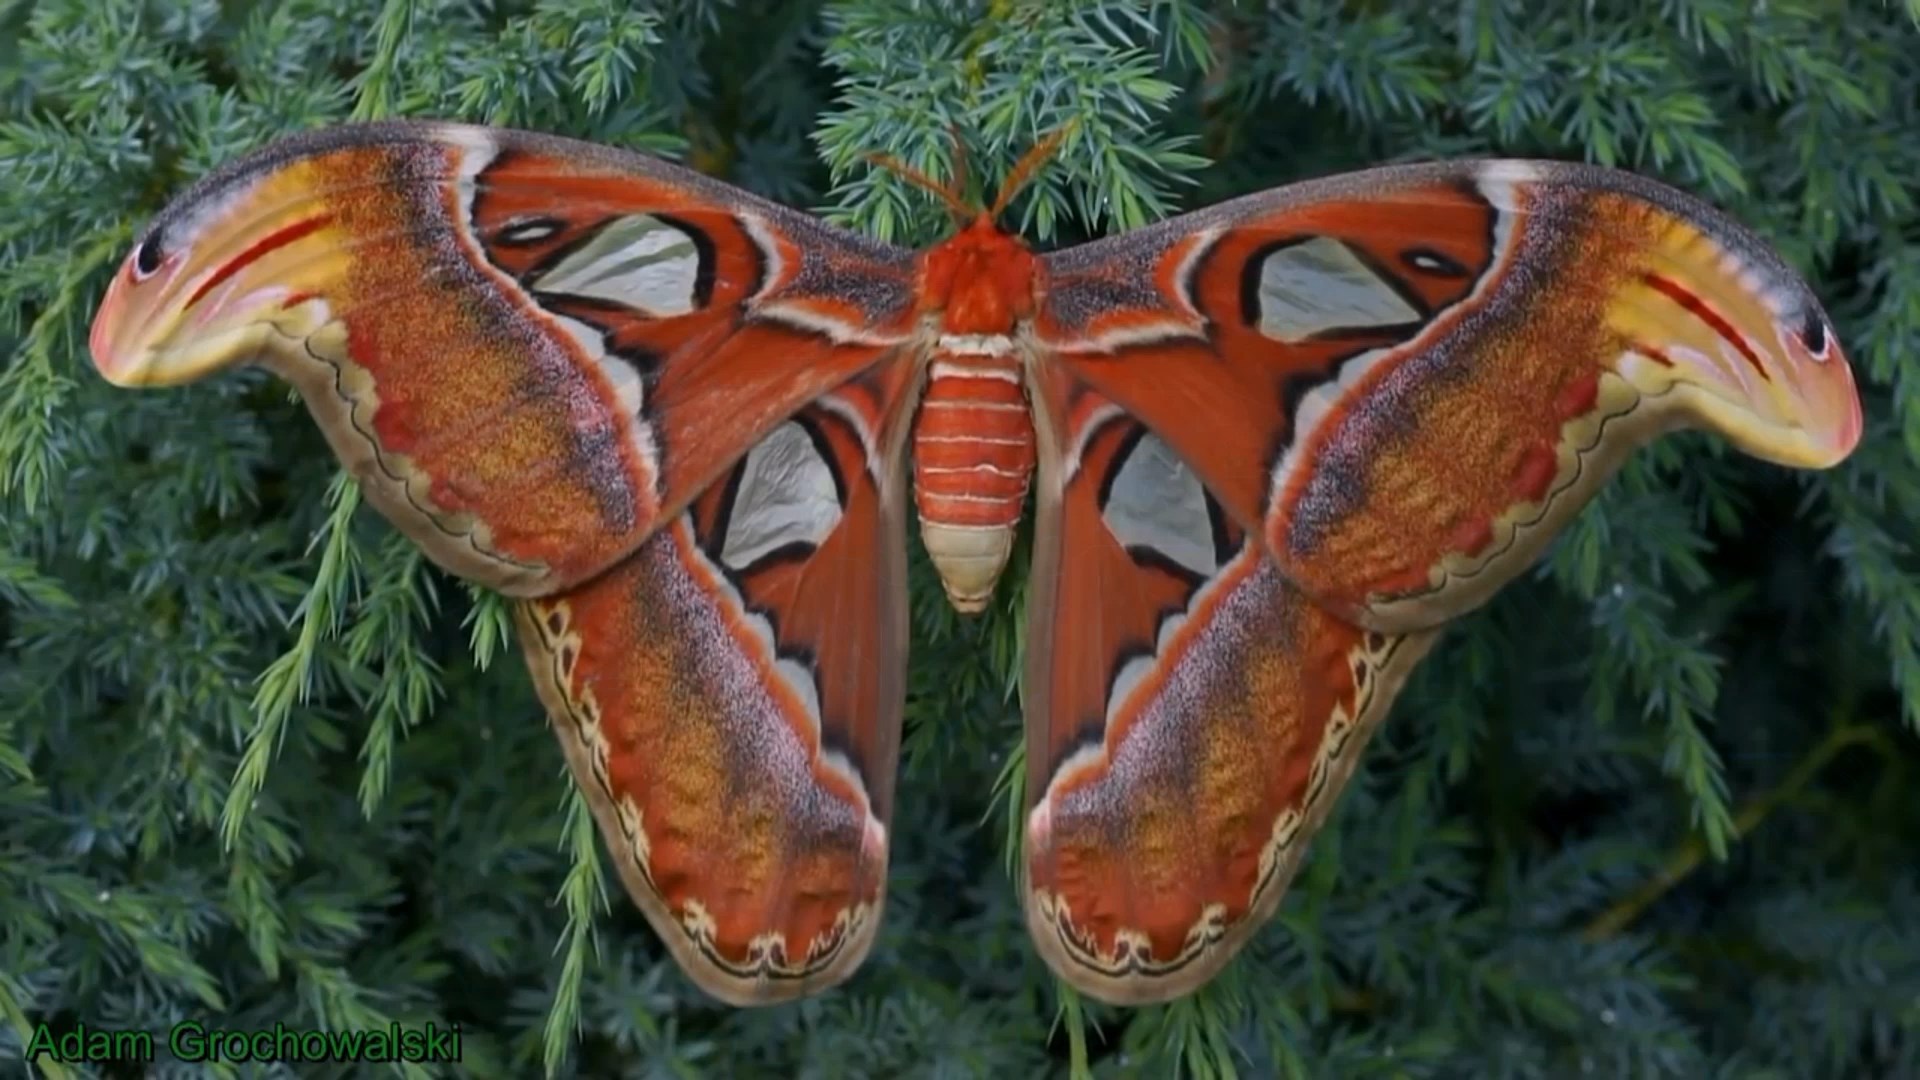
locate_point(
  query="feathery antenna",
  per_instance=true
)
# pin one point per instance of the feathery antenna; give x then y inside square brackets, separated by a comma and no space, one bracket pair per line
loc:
[1029,165]
[952,194]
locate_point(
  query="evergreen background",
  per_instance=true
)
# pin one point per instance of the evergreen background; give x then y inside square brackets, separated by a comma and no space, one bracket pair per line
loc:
[1651,813]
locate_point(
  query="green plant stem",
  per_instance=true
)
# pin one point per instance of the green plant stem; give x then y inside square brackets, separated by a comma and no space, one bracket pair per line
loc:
[1688,856]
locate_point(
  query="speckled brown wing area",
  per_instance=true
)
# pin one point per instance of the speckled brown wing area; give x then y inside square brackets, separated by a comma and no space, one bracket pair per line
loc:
[533,352]
[1191,716]
[1404,381]
[729,700]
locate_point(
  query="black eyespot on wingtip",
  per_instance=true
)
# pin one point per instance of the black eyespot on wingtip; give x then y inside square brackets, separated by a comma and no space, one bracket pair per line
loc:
[1813,333]
[147,257]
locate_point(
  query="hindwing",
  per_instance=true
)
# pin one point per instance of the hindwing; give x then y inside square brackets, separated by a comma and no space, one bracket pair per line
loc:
[1191,715]
[729,699]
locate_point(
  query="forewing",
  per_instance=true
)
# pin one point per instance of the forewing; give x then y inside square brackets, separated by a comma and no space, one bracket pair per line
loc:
[1405,380]
[532,351]
[729,699]
[1191,715]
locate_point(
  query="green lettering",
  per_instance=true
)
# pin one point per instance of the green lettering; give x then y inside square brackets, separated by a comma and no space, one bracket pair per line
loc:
[232,1046]
[188,1041]
[442,1045]
[313,1046]
[131,1046]
[82,1044]
[379,1047]
[261,1046]
[347,1044]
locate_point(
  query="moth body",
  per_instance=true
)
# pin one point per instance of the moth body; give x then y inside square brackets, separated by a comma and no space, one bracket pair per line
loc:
[973,437]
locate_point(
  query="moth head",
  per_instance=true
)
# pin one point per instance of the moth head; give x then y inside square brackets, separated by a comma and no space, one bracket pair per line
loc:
[981,276]
[1743,350]
[231,270]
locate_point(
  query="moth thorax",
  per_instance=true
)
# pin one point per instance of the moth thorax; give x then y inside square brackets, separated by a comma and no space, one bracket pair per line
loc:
[973,447]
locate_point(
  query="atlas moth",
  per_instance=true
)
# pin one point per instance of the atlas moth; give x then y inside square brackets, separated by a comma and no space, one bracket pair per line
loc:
[1274,446]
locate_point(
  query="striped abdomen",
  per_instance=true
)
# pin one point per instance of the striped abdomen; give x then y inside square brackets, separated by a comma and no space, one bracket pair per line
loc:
[972,463]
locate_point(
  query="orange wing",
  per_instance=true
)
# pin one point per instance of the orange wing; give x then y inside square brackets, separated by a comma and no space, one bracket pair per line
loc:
[533,352]
[1405,380]
[729,699]
[1282,441]
[668,416]
[1191,716]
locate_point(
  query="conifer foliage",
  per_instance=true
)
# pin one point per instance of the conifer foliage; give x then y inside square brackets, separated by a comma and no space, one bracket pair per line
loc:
[1652,813]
